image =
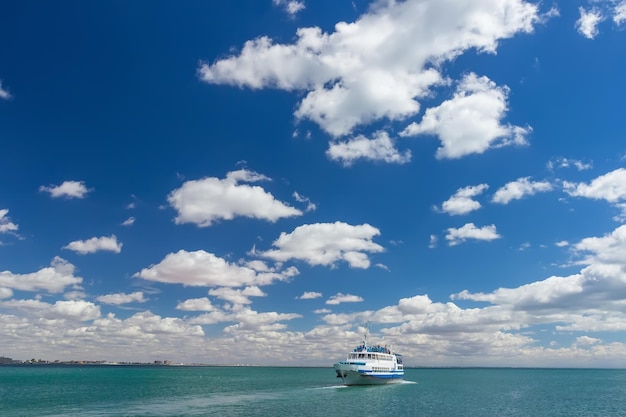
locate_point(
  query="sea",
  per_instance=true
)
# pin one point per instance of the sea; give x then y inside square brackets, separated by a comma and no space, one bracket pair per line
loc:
[89,391]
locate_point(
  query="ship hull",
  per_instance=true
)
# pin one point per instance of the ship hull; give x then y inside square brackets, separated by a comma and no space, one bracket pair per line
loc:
[354,375]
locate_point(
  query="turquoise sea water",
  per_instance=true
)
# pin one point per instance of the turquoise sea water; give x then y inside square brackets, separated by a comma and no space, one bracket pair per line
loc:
[88,391]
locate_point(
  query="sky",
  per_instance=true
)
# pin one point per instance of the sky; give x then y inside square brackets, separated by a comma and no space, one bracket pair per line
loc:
[254,181]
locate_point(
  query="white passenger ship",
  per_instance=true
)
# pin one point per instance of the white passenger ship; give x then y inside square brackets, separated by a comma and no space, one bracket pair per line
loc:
[370,365]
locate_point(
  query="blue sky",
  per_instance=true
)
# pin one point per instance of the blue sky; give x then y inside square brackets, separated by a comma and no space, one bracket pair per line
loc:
[254,181]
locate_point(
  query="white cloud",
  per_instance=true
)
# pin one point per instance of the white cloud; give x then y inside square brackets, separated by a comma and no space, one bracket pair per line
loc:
[5,292]
[566,163]
[249,321]
[600,285]
[53,279]
[204,269]
[146,326]
[309,295]
[326,244]
[547,293]
[196,304]
[129,222]
[346,319]
[76,294]
[518,189]
[461,202]
[4,93]
[610,187]
[471,121]
[587,24]
[68,328]
[343,298]
[237,296]
[426,332]
[122,298]
[211,199]
[69,189]
[6,225]
[95,244]
[78,310]
[302,199]
[601,10]
[607,250]
[54,314]
[587,341]
[380,148]
[470,231]
[378,66]
[619,15]
[291,6]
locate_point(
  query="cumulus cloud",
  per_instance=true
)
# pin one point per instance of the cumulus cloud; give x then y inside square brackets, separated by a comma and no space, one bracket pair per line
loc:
[204,269]
[518,189]
[309,295]
[77,310]
[237,296]
[343,298]
[587,341]
[600,10]
[379,148]
[71,327]
[378,66]
[6,225]
[470,231]
[53,279]
[207,200]
[122,298]
[57,313]
[196,304]
[587,23]
[601,284]
[248,321]
[68,189]
[5,292]
[144,326]
[291,6]
[610,187]
[462,201]
[471,121]
[606,250]
[95,244]
[551,293]
[425,331]
[326,244]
